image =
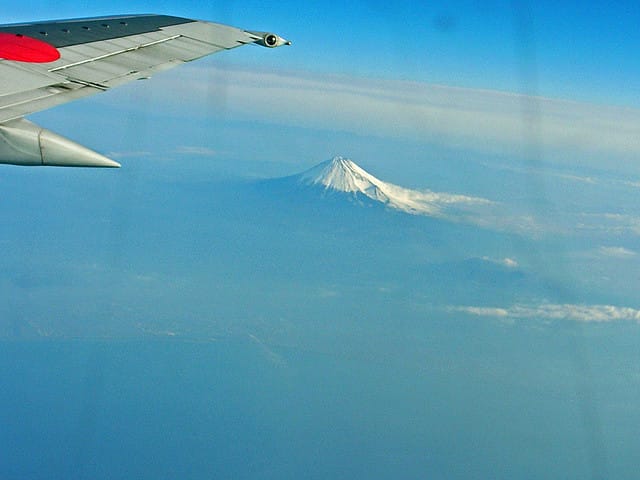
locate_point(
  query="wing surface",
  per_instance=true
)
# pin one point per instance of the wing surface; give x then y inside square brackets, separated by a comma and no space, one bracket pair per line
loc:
[98,54]
[49,63]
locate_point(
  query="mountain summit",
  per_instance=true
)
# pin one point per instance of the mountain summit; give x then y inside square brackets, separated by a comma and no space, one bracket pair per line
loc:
[343,175]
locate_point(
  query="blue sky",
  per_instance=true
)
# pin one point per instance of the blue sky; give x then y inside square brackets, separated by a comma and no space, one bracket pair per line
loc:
[578,50]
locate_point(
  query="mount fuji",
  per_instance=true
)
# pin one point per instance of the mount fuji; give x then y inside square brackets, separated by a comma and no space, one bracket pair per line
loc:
[343,176]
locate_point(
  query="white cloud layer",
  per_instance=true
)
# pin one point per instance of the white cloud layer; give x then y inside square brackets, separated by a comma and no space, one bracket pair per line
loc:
[471,118]
[196,150]
[617,252]
[505,262]
[579,313]
[611,223]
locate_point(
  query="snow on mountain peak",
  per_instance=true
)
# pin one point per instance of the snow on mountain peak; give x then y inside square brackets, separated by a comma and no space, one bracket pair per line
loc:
[343,175]
[340,174]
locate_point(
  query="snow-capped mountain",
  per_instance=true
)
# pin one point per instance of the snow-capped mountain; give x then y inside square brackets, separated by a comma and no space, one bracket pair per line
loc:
[343,175]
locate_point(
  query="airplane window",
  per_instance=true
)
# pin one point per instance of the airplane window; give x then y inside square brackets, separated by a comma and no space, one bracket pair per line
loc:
[369,240]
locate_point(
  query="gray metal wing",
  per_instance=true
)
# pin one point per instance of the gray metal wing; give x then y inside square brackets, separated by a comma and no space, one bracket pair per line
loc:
[46,64]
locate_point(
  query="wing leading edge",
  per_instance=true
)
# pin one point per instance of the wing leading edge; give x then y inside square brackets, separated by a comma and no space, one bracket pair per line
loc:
[47,64]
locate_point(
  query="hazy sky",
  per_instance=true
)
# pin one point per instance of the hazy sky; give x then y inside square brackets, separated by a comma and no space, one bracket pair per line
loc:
[417,73]
[575,50]
[530,106]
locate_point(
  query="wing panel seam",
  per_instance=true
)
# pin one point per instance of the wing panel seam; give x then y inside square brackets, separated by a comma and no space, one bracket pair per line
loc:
[113,54]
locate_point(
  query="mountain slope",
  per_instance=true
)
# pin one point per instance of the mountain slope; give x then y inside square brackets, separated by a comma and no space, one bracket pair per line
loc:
[343,175]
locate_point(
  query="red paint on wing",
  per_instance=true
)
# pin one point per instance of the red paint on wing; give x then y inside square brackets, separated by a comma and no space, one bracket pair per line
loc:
[21,48]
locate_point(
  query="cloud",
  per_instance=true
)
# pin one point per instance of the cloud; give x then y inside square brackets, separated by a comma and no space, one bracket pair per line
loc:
[610,223]
[617,252]
[505,262]
[479,119]
[546,172]
[132,154]
[482,311]
[579,313]
[477,211]
[269,354]
[195,150]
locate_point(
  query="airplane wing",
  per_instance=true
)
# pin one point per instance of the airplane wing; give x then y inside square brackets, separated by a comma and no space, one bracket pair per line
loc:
[50,63]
